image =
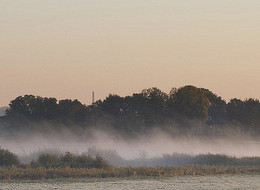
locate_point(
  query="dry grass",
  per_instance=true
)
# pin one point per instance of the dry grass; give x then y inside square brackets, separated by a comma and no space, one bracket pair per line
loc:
[41,173]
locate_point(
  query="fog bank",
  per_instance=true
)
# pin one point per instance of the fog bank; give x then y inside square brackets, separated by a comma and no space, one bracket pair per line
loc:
[113,146]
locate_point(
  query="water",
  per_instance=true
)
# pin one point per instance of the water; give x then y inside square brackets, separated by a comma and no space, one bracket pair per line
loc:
[186,182]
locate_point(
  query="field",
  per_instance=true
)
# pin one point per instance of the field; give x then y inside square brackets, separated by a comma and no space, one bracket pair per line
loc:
[148,183]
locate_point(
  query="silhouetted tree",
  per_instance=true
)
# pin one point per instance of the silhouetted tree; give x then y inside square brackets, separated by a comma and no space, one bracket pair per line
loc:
[134,114]
[190,102]
[217,108]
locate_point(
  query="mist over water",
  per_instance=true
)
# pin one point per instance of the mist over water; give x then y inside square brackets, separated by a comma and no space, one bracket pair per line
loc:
[113,146]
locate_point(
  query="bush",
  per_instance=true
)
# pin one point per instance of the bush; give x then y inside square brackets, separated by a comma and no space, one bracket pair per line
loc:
[84,161]
[8,158]
[69,160]
[76,161]
[48,160]
[99,162]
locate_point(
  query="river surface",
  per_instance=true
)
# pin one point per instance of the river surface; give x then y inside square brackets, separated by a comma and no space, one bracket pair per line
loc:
[186,182]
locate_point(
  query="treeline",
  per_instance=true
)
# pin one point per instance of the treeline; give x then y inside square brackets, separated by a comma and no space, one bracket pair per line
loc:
[187,108]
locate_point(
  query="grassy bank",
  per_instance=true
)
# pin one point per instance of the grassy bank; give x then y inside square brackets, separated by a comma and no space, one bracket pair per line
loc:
[40,173]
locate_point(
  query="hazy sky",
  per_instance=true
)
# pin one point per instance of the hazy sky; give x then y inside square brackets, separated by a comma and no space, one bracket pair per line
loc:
[68,48]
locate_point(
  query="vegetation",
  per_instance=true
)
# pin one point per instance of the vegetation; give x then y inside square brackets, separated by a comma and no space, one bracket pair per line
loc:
[180,109]
[201,159]
[40,173]
[47,160]
[50,166]
[7,158]
[186,109]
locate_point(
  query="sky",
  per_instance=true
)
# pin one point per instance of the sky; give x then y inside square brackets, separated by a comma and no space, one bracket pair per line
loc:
[69,48]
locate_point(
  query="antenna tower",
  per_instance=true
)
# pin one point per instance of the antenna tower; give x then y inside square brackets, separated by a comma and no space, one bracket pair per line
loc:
[93,97]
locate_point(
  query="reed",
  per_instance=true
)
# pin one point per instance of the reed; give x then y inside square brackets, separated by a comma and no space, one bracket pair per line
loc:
[40,173]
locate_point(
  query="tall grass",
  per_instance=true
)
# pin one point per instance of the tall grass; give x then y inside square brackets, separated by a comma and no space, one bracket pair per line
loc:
[40,173]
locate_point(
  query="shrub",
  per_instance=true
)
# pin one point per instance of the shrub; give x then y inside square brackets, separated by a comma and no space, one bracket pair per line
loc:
[82,161]
[99,162]
[69,160]
[8,158]
[48,160]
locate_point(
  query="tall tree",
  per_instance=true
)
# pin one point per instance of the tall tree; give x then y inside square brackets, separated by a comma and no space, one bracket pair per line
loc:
[190,102]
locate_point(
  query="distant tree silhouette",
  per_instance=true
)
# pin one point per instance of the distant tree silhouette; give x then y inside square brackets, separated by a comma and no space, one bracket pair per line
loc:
[137,113]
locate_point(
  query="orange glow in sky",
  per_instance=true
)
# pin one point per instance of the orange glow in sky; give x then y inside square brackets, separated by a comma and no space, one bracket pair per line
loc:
[69,48]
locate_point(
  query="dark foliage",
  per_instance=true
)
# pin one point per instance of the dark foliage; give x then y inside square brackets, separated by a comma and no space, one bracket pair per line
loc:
[69,160]
[7,158]
[140,112]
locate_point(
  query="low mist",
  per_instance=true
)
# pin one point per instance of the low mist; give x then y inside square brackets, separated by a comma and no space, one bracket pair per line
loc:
[119,150]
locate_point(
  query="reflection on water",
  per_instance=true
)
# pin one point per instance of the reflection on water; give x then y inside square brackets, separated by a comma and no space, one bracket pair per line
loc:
[186,182]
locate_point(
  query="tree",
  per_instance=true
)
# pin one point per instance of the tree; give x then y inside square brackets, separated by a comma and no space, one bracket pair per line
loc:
[18,109]
[113,104]
[217,108]
[72,111]
[246,112]
[153,106]
[190,102]
[33,108]
[215,101]
[236,109]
